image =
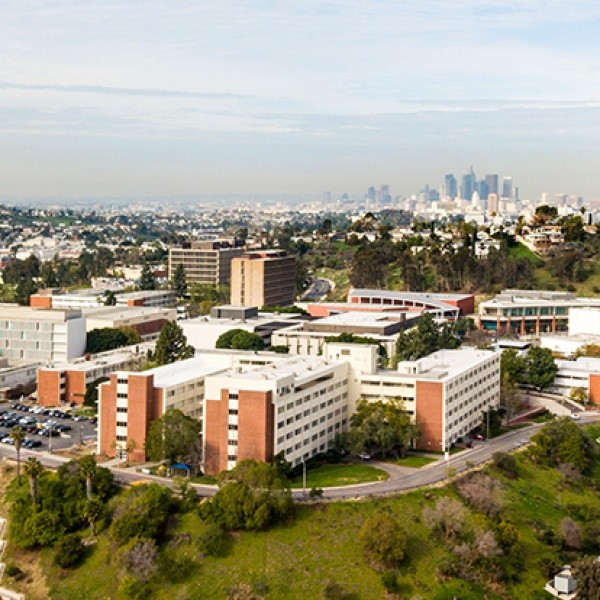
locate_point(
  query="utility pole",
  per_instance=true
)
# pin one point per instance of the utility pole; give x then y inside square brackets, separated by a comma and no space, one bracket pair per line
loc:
[304,477]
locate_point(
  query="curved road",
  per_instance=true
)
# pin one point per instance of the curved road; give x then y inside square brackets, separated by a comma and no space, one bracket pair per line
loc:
[401,479]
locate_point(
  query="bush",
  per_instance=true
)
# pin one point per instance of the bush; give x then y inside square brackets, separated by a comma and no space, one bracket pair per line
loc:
[213,541]
[177,567]
[389,580]
[506,464]
[131,588]
[550,566]
[571,533]
[142,512]
[69,551]
[139,558]
[482,493]
[448,517]
[13,572]
[383,539]
[315,493]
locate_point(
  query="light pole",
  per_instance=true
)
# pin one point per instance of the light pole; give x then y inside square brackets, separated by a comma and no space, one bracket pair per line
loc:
[304,477]
[50,432]
[81,435]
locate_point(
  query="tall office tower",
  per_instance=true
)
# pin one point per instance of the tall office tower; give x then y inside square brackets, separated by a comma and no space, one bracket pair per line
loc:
[371,195]
[493,204]
[327,198]
[492,184]
[263,278]
[207,262]
[483,189]
[517,194]
[450,187]
[507,187]
[561,200]
[468,184]
[385,193]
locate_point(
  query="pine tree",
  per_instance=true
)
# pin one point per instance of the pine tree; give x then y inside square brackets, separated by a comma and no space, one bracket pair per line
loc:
[179,282]
[172,345]
[147,280]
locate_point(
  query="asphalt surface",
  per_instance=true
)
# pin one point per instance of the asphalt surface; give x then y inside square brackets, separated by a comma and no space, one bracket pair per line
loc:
[84,429]
[401,478]
[319,288]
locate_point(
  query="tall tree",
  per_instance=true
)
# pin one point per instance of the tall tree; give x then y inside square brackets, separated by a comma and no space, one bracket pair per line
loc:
[147,279]
[425,338]
[33,469]
[172,345]
[91,512]
[240,339]
[540,367]
[24,290]
[179,281]
[174,437]
[18,436]
[381,428]
[88,469]
[110,299]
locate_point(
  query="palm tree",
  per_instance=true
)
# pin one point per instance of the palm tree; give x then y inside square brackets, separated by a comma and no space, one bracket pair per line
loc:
[88,467]
[92,509]
[18,435]
[34,469]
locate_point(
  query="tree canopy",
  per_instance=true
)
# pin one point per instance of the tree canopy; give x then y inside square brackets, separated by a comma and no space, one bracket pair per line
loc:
[174,437]
[252,496]
[381,428]
[147,279]
[109,338]
[172,345]
[425,338]
[563,442]
[240,339]
[540,368]
[179,281]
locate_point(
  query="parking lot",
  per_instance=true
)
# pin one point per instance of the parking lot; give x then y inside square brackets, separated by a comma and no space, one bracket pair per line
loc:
[66,430]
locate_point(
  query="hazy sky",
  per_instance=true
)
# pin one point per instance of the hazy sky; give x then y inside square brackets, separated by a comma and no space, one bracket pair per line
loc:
[154,97]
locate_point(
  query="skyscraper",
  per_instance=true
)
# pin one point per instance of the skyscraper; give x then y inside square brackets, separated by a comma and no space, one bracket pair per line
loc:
[450,188]
[468,184]
[507,187]
[492,183]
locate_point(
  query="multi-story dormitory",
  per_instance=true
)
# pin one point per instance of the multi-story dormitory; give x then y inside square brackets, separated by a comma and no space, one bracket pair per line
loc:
[255,405]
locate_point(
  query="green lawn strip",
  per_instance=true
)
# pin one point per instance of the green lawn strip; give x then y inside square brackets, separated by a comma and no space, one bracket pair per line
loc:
[205,479]
[522,251]
[339,474]
[413,461]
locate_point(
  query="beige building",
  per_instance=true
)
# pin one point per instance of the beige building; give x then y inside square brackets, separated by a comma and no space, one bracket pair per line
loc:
[263,278]
[207,262]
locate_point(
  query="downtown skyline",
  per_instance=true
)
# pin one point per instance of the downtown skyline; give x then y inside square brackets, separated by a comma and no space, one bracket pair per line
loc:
[120,99]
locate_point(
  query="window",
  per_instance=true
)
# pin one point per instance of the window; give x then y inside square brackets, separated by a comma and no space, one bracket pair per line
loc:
[121,438]
[233,411]
[232,427]
[121,395]
[121,409]
[121,423]
[231,457]
[122,381]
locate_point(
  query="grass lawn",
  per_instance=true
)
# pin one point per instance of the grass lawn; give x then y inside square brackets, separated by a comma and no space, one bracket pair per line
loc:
[339,474]
[522,251]
[205,479]
[414,461]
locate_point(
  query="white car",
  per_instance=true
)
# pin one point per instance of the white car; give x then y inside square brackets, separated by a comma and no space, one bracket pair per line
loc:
[364,456]
[575,416]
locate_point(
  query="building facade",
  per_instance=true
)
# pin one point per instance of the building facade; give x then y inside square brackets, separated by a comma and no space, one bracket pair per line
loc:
[38,335]
[207,263]
[264,278]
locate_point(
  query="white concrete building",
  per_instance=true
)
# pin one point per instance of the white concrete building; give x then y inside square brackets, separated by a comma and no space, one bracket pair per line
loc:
[33,335]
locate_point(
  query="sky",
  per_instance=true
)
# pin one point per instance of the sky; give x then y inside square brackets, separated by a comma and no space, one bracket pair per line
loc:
[156,97]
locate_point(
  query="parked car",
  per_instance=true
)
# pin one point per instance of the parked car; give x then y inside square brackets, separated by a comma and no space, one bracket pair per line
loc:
[80,418]
[364,456]
[479,437]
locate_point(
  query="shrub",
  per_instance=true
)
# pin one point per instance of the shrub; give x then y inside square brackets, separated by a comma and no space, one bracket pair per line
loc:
[383,539]
[550,566]
[447,517]
[569,473]
[213,540]
[69,551]
[177,567]
[334,591]
[506,464]
[482,493]
[389,580]
[131,588]
[13,572]
[315,493]
[571,533]
[139,558]
[142,512]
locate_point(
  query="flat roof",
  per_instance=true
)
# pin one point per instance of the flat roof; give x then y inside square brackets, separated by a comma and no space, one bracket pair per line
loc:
[438,297]
[299,367]
[182,371]
[124,312]
[363,318]
[446,364]
[38,314]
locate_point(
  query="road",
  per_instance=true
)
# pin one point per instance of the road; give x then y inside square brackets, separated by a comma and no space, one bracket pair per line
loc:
[319,288]
[401,479]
